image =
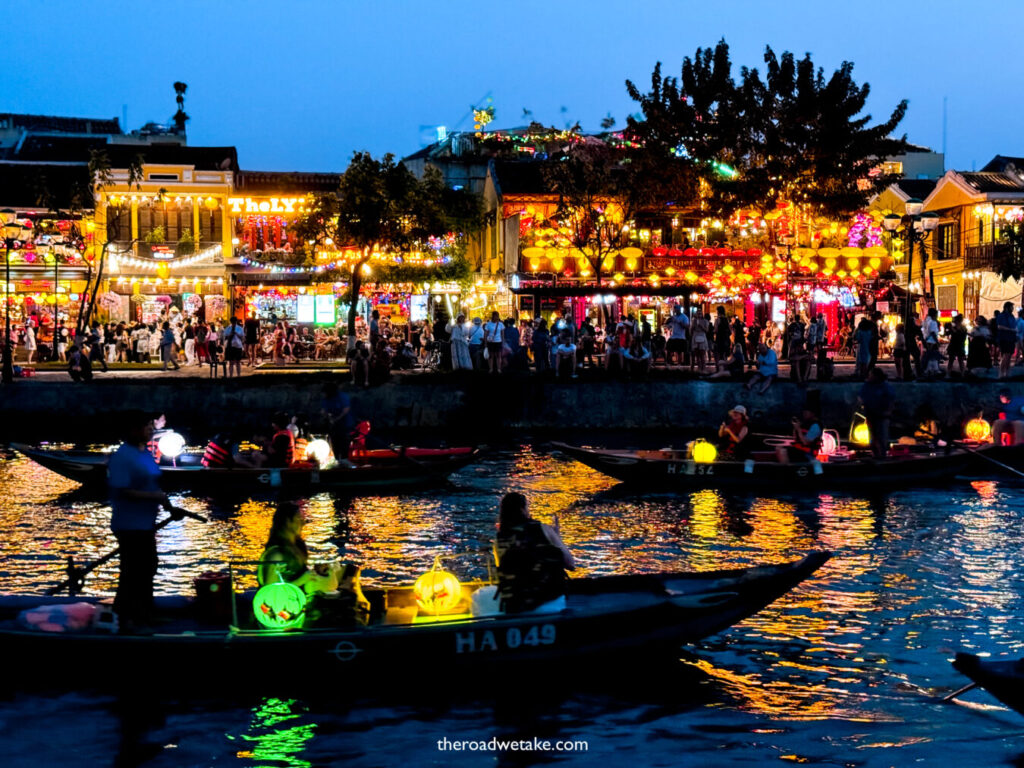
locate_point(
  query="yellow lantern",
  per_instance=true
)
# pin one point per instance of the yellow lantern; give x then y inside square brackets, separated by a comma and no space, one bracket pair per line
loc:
[704,452]
[978,430]
[619,277]
[631,252]
[852,263]
[631,265]
[558,262]
[860,434]
[875,262]
[437,592]
[608,262]
[163,271]
[211,204]
[534,265]
[533,252]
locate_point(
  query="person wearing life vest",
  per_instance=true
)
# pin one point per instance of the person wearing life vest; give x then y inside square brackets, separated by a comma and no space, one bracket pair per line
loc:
[1008,429]
[299,429]
[218,453]
[357,445]
[807,434]
[532,560]
[281,452]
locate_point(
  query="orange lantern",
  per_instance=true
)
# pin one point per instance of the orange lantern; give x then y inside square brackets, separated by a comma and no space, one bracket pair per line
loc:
[978,430]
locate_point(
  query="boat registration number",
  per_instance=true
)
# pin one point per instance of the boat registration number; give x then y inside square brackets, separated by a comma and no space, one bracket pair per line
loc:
[691,468]
[510,639]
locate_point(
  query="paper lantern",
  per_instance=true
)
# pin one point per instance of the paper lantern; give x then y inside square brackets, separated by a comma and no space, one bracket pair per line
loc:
[533,253]
[691,252]
[675,253]
[279,606]
[978,430]
[318,450]
[861,435]
[171,444]
[631,265]
[631,253]
[704,452]
[211,204]
[739,253]
[661,250]
[829,443]
[437,592]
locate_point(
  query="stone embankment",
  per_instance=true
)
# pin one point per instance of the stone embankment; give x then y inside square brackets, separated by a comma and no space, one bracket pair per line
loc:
[449,406]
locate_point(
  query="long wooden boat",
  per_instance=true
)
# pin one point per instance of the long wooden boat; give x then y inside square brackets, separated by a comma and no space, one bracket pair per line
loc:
[628,618]
[674,470]
[374,474]
[1003,679]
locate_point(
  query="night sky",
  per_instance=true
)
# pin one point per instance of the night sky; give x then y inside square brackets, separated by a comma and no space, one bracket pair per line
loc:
[301,85]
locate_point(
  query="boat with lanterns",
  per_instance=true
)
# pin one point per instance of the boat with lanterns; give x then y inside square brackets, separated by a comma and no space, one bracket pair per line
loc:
[699,466]
[384,471]
[249,633]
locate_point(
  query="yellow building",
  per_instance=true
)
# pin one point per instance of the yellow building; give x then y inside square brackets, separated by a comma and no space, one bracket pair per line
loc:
[168,231]
[973,207]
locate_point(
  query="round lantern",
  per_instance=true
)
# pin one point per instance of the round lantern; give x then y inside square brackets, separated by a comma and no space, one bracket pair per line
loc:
[691,252]
[829,443]
[704,452]
[318,450]
[437,592]
[978,430]
[211,204]
[661,250]
[163,271]
[279,606]
[171,444]
[675,253]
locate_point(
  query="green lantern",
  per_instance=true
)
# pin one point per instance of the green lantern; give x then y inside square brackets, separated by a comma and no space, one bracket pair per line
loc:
[280,606]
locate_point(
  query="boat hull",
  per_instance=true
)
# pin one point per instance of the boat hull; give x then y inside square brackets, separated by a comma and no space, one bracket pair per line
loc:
[1003,679]
[684,474]
[606,617]
[389,476]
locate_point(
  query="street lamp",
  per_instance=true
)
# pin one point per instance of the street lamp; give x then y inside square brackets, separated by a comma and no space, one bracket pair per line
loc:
[11,229]
[916,226]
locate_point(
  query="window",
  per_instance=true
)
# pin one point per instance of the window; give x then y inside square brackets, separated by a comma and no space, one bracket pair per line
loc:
[945,298]
[947,244]
[209,225]
[162,176]
[119,223]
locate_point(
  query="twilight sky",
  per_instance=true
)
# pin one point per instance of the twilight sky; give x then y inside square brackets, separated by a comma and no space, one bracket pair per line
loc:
[300,85]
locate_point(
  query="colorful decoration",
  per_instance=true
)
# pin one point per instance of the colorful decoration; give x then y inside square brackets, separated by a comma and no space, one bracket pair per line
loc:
[279,606]
[704,452]
[437,592]
[860,433]
[978,430]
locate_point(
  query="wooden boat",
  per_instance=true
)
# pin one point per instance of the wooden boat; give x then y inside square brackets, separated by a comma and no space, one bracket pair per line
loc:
[675,470]
[624,617]
[396,473]
[1003,679]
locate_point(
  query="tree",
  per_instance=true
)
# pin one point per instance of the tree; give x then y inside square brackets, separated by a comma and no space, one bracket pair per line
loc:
[100,174]
[380,212]
[794,136]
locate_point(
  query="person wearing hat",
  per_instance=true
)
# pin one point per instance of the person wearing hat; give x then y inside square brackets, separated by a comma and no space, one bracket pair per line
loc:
[733,433]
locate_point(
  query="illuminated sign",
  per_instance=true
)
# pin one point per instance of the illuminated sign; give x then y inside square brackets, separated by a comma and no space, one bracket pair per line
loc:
[265,204]
[305,311]
[325,310]
[418,307]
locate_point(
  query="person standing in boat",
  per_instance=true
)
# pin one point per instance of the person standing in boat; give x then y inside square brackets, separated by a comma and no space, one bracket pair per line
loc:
[532,560]
[135,500]
[281,451]
[878,400]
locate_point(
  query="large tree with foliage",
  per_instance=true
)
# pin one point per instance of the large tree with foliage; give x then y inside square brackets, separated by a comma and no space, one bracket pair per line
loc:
[793,135]
[380,211]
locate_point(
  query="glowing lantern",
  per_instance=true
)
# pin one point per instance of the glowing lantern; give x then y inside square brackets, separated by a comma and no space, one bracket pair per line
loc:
[728,269]
[691,277]
[318,450]
[171,444]
[619,277]
[860,434]
[437,592]
[533,253]
[978,430]
[829,443]
[534,265]
[704,452]
[211,204]
[608,262]
[852,262]
[631,253]
[163,271]
[631,265]
[661,250]
[279,606]
[558,262]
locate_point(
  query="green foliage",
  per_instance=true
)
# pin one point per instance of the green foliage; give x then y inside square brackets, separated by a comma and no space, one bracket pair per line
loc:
[156,235]
[793,135]
[186,243]
[455,271]
[1009,262]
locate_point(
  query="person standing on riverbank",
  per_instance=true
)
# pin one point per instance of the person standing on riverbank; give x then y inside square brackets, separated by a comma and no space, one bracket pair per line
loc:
[233,344]
[135,500]
[167,347]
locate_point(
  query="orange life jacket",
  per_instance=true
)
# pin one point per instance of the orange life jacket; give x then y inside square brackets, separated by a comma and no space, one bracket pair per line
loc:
[215,456]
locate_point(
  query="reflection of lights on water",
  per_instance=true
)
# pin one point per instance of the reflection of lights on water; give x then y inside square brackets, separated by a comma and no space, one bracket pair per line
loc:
[275,740]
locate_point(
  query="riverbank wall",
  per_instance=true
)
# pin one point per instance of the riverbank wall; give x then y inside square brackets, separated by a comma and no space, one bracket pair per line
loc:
[450,406]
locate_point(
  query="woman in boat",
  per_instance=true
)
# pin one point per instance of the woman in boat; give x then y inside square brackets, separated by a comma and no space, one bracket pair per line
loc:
[286,558]
[532,560]
[733,434]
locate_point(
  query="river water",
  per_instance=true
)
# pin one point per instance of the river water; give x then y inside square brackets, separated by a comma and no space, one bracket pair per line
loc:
[847,670]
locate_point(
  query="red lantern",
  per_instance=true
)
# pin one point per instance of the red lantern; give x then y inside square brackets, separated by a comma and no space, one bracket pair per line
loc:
[707,251]
[661,250]
[675,253]
[691,252]
[722,251]
[754,252]
[739,252]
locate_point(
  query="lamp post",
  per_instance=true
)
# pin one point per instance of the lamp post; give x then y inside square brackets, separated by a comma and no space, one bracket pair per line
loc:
[916,226]
[11,228]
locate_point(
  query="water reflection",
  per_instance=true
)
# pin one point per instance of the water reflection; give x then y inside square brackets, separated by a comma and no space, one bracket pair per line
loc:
[915,575]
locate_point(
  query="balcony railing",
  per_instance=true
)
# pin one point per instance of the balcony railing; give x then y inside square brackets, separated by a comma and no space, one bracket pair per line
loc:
[983,257]
[173,250]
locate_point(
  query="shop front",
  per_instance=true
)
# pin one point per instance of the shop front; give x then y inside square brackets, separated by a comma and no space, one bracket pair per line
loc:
[147,299]
[291,297]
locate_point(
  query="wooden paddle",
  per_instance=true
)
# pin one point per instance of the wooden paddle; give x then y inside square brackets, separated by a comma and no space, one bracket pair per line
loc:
[76,576]
[955,694]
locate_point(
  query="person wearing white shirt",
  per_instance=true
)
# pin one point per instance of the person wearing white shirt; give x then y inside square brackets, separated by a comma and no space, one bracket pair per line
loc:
[676,347]
[565,356]
[494,339]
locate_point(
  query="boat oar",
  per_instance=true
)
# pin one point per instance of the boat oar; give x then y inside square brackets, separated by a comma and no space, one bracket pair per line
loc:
[977,452]
[76,575]
[955,694]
